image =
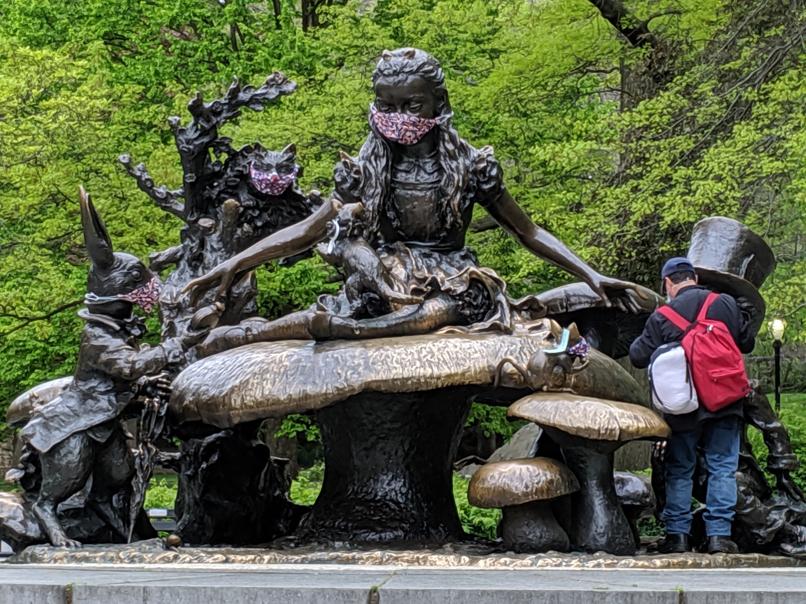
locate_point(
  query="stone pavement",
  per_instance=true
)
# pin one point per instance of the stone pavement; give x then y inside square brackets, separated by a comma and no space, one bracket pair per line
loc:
[349,584]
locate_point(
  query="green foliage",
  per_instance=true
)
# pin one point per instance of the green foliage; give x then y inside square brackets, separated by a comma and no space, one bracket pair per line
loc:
[295,424]
[161,493]
[492,420]
[479,522]
[8,487]
[306,486]
[650,527]
[617,164]
[793,416]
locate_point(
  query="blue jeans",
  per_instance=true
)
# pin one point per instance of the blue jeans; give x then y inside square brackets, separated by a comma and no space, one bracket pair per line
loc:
[719,440]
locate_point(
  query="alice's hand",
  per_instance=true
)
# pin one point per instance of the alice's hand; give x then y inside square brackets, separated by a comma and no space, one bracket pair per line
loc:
[222,275]
[614,292]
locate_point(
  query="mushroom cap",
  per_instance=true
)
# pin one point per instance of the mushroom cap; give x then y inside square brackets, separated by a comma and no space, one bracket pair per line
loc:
[273,379]
[21,408]
[633,490]
[589,417]
[507,483]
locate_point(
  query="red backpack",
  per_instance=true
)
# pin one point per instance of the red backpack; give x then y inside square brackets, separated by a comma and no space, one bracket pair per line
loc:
[717,366]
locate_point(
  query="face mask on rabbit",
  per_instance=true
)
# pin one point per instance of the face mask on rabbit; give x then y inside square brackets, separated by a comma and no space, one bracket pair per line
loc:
[114,277]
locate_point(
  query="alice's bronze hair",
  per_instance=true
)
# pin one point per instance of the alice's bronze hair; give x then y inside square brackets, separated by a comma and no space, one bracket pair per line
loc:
[455,155]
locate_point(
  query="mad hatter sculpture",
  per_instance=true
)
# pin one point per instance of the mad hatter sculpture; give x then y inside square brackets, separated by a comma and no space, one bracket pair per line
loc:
[732,259]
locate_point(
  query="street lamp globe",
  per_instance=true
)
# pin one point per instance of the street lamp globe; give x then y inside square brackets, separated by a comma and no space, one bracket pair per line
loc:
[777,327]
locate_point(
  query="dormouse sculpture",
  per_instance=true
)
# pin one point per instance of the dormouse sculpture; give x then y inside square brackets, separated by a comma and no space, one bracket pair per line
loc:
[76,442]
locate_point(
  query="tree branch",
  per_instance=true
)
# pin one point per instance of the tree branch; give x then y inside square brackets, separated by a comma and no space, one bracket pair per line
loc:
[27,320]
[165,199]
[634,30]
[195,140]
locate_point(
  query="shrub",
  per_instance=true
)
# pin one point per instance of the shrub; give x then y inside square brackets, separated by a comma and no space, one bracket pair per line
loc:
[161,493]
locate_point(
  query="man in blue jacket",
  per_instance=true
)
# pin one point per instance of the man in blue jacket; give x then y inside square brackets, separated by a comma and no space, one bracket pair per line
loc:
[716,434]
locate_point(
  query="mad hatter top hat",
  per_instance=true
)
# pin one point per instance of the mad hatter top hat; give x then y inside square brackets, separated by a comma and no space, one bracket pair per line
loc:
[730,258]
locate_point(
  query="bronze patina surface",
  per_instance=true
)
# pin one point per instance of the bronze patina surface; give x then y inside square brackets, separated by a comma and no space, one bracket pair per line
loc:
[273,379]
[21,408]
[448,556]
[505,483]
[590,417]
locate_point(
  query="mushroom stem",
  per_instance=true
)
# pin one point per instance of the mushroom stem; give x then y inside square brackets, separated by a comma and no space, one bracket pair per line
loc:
[388,468]
[532,527]
[597,520]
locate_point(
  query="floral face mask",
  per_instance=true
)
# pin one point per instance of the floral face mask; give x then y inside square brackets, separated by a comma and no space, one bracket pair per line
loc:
[271,183]
[401,128]
[146,296]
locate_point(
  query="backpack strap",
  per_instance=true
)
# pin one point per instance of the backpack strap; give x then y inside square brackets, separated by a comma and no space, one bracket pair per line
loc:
[712,297]
[675,317]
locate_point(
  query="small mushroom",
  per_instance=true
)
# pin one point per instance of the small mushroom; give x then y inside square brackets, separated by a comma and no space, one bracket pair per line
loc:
[21,408]
[522,488]
[636,497]
[589,430]
[173,540]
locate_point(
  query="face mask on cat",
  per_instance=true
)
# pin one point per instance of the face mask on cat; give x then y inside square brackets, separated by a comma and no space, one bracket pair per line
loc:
[146,296]
[271,183]
[402,128]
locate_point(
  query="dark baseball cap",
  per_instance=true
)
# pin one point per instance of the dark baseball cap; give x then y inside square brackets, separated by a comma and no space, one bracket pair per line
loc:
[676,265]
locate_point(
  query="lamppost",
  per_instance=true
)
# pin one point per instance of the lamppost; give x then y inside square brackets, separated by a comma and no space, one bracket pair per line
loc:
[777,328]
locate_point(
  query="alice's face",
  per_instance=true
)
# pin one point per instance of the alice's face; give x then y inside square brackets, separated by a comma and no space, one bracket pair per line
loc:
[406,94]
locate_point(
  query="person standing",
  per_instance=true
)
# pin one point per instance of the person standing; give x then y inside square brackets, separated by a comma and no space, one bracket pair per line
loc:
[717,434]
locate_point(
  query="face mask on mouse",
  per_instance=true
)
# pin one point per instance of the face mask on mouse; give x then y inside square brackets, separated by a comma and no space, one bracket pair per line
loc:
[401,128]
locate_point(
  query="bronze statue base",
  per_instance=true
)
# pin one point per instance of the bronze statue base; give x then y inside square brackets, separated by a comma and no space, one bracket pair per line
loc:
[449,556]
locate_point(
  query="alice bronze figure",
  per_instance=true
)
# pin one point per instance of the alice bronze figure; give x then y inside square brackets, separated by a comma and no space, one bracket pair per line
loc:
[419,181]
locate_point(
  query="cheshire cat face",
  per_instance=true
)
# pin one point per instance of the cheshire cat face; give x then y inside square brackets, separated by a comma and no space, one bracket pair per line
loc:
[273,172]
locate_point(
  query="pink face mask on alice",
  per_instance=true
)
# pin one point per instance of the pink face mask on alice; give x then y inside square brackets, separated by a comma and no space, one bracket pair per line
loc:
[400,128]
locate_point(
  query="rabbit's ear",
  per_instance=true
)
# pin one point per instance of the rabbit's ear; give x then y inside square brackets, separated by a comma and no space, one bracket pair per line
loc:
[96,239]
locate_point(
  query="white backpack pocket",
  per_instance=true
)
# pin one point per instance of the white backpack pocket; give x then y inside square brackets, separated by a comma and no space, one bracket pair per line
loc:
[670,381]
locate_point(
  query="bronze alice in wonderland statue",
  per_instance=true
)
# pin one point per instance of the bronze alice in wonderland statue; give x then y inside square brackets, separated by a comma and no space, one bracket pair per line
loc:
[418,182]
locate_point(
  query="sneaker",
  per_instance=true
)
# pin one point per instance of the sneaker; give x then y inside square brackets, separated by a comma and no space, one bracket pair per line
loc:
[722,545]
[674,544]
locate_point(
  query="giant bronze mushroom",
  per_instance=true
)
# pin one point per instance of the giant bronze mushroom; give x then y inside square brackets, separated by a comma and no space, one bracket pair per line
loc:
[390,410]
[589,430]
[522,488]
